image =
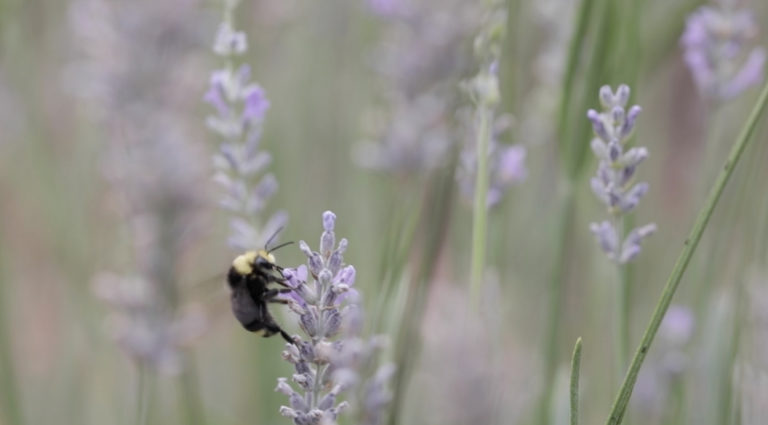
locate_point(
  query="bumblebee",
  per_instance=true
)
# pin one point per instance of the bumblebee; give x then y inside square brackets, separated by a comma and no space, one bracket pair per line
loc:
[249,278]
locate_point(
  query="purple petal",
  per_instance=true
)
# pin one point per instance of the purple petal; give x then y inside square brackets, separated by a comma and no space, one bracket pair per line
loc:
[256,104]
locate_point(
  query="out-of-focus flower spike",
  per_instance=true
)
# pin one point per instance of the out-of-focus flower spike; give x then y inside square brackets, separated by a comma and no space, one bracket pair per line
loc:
[240,107]
[718,49]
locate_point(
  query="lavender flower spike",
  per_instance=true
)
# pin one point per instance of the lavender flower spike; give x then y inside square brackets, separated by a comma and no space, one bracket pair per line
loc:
[240,107]
[613,183]
[327,359]
[717,49]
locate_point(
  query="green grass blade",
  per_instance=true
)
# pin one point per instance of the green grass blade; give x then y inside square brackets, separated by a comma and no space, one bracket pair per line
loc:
[575,366]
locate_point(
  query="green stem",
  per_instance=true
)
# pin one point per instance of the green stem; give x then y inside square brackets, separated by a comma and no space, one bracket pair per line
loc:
[556,305]
[575,366]
[480,213]
[9,388]
[193,404]
[142,395]
[621,328]
[622,398]
[569,76]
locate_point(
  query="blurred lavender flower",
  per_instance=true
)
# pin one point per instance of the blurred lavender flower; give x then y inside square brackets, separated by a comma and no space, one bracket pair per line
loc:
[424,53]
[333,355]
[143,325]
[240,106]
[717,49]
[385,8]
[614,183]
[661,380]
[676,332]
[136,59]
[506,164]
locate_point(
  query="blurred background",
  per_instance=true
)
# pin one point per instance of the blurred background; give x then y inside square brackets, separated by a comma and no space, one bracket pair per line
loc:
[105,178]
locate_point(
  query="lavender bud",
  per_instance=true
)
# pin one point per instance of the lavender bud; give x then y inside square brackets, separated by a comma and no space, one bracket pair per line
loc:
[622,96]
[332,324]
[283,387]
[327,242]
[308,323]
[597,124]
[631,246]
[288,412]
[633,196]
[606,237]
[629,123]
[606,97]
[633,157]
[329,221]
[618,115]
[614,150]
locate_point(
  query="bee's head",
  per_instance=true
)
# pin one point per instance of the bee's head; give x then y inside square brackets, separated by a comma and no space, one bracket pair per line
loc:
[244,263]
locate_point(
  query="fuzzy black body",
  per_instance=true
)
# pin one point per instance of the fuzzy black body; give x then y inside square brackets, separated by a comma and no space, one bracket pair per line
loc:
[251,294]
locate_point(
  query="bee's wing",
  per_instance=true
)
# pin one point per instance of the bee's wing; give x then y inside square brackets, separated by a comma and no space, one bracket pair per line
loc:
[210,284]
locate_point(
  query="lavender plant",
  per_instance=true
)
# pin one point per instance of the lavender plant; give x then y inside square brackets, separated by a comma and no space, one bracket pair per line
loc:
[136,57]
[331,355]
[150,162]
[614,184]
[717,49]
[483,90]
[240,107]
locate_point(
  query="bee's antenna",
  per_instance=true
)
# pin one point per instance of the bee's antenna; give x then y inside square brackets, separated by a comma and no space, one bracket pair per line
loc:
[279,246]
[271,238]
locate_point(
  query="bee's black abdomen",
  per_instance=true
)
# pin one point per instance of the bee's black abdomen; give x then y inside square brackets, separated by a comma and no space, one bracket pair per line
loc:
[255,325]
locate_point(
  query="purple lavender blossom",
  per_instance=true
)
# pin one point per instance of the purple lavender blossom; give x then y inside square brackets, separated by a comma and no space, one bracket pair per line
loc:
[506,165]
[717,42]
[613,183]
[240,108]
[327,360]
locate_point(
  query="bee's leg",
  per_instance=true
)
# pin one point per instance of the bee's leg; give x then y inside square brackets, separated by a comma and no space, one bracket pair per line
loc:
[276,329]
[279,280]
[271,328]
[270,295]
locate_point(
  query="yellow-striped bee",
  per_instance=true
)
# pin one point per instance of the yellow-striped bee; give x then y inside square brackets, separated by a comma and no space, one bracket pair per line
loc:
[249,279]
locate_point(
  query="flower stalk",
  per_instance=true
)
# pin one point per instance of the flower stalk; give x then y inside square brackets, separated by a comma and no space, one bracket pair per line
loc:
[614,185]
[483,89]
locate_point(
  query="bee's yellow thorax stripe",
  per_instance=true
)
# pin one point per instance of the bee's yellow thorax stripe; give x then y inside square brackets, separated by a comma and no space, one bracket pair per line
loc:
[243,264]
[267,256]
